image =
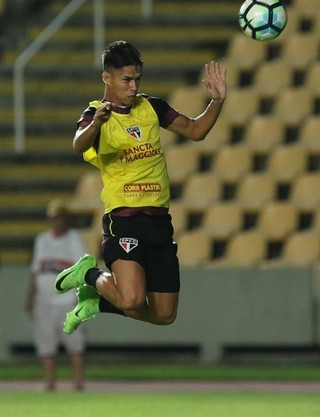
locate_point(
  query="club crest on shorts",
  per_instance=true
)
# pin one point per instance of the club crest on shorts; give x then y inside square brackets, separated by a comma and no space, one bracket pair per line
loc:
[134,131]
[128,243]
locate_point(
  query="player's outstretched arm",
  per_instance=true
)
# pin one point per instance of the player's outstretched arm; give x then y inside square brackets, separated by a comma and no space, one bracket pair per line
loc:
[197,128]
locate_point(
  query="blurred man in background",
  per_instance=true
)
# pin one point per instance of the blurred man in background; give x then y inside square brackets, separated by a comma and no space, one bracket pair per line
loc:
[55,249]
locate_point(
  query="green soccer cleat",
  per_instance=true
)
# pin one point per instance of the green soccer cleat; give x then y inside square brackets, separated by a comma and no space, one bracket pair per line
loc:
[87,308]
[73,277]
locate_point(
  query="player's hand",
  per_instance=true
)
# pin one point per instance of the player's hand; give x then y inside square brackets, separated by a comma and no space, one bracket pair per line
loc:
[214,79]
[103,113]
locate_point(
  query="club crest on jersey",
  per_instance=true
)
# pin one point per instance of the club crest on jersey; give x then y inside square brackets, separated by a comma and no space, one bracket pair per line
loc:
[134,132]
[128,243]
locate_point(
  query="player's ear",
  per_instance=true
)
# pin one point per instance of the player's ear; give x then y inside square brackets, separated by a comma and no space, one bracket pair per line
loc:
[106,77]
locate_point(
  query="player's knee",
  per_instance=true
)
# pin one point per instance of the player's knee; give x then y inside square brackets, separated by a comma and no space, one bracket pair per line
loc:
[131,302]
[165,318]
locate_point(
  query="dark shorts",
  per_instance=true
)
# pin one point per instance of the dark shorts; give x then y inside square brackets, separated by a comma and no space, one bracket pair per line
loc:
[147,240]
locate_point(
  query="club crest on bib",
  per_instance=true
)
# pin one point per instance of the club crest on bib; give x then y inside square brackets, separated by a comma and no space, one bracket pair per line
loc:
[128,243]
[134,132]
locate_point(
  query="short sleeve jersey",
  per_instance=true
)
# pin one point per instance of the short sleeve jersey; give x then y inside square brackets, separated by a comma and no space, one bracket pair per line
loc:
[129,154]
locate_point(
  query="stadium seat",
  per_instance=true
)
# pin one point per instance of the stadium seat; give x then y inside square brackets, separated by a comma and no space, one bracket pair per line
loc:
[277,220]
[316,220]
[306,43]
[287,162]
[86,198]
[255,191]
[293,105]
[179,214]
[245,249]
[309,134]
[293,23]
[201,190]
[232,163]
[264,133]
[272,78]
[312,77]
[307,8]
[301,249]
[218,136]
[93,241]
[241,106]
[167,137]
[222,220]
[243,55]
[306,192]
[182,161]
[233,72]
[194,249]
[189,100]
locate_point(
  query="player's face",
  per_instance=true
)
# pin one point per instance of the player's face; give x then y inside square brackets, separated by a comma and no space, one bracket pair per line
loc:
[122,84]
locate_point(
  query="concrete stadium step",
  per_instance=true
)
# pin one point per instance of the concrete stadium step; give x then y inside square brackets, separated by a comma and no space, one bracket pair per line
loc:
[26,228]
[169,58]
[132,10]
[162,36]
[16,255]
[51,172]
[31,199]
[40,143]
[37,184]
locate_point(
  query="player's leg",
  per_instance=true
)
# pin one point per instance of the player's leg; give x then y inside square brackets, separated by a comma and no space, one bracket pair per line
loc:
[161,309]
[137,268]
[126,290]
[125,287]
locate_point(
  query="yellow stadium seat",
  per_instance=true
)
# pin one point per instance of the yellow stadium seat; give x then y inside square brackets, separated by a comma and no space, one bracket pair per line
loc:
[194,249]
[189,100]
[222,220]
[306,43]
[232,163]
[243,54]
[264,133]
[182,161]
[277,220]
[245,249]
[201,190]
[305,192]
[294,105]
[309,134]
[307,8]
[312,78]
[218,136]
[242,104]
[179,214]
[272,78]
[302,249]
[255,191]
[287,162]
[87,194]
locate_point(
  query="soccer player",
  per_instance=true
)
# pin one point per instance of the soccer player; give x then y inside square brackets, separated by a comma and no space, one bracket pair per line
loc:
[120,135]
[55,249]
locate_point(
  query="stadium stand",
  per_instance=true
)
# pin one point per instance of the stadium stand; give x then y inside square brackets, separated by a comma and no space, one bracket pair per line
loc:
[264,151]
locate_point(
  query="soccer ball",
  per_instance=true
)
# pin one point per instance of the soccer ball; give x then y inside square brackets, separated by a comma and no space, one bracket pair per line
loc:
[262,20]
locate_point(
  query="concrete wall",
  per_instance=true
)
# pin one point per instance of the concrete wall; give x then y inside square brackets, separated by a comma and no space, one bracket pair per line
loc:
[217,307]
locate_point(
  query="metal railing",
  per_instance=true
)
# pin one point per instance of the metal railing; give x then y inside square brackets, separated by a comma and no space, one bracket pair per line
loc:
[40,41]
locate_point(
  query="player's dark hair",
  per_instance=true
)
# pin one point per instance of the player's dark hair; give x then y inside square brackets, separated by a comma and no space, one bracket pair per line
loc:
[119,54]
